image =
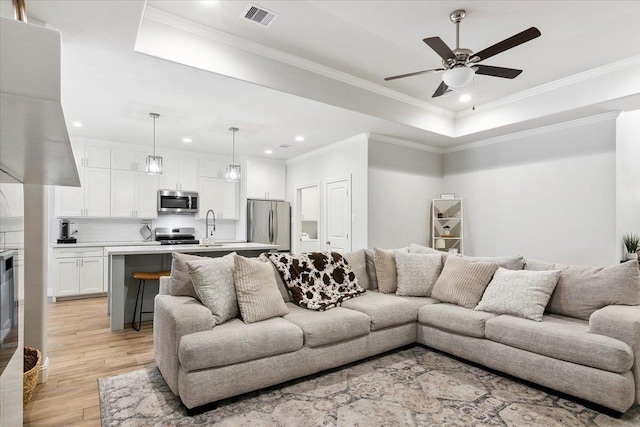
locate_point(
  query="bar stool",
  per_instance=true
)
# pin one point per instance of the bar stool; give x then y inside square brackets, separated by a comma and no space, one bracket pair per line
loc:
[142,277]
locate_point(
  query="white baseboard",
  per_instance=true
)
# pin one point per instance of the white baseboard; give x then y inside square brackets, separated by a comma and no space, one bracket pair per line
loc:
[43,374]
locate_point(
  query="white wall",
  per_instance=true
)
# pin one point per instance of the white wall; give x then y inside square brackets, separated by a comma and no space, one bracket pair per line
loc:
[342,159]
[548,194]
[627,177]
[402,183]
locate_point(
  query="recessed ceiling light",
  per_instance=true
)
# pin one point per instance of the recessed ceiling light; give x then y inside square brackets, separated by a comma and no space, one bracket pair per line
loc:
[77,124]
[465,97]
[267,151]
[187,140]
[299,138]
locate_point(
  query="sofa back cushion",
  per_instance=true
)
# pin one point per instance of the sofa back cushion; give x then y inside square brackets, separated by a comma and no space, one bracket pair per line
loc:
[463,282]
[257,291]
[282,287]
[514,262]
[371,269]
[357,260]
[582,289]
[417,273]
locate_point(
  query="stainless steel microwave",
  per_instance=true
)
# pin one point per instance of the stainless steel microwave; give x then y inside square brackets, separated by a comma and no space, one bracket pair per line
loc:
[172,201]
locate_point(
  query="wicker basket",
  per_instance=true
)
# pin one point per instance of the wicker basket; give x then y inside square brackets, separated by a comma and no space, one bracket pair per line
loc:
[32,360]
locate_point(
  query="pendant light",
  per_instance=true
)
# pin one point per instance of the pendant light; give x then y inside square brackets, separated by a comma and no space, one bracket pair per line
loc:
[233,170]
[154,163]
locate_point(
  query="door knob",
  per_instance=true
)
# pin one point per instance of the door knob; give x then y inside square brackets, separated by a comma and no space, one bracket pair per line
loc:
[328,243]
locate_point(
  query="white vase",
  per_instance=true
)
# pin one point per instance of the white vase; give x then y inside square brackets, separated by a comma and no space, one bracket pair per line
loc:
[633,255]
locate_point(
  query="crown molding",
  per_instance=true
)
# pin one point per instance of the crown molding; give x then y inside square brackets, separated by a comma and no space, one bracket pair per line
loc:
[331,147]
[532,132]
[404,143]
[218,36]
[632,61]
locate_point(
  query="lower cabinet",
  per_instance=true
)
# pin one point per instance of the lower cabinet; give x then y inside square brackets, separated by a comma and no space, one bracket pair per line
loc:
[78,271]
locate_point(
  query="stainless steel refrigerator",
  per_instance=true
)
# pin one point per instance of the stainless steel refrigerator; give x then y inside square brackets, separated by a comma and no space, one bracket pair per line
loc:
[269,222]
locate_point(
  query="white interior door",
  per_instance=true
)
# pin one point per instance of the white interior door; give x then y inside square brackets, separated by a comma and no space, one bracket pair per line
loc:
[338,216]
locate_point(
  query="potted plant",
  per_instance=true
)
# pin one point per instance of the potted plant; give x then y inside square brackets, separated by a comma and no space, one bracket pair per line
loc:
[631,242]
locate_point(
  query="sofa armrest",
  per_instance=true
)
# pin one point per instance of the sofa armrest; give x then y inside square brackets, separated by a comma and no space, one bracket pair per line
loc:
[621,322]
[173,318]
[165,282]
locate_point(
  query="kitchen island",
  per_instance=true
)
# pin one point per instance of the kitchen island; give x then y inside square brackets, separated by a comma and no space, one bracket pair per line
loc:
[124,260]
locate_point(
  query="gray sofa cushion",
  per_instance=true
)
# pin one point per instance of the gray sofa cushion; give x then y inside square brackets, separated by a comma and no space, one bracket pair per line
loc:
[329,327]
[181,284]
[235,341]
[418,302]
[581,289]
[282,287]
[384,310]
[357,260]
[213,282]
[514,262]
[453,318]
[385,265]
[563,338]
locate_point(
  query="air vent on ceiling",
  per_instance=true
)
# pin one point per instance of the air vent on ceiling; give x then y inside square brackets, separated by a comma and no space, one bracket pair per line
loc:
[284,146]
[259,15]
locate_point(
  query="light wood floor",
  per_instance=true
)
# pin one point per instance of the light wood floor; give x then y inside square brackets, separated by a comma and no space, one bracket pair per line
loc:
[81,349]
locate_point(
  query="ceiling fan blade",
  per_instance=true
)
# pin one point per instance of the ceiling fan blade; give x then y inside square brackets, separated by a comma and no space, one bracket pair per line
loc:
[440,47]
[441,90]
[488,70]
[506,44]
[417,73]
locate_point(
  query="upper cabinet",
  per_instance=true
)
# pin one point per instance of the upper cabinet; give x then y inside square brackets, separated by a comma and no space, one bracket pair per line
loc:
[128,160]
[212,168]
[90,200]
[219,195]
[265,181]
[92,157]
[133,194]
[179,173]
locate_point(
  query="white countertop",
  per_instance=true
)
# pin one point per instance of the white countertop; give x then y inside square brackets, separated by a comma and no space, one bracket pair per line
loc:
[104,244]
[165,249]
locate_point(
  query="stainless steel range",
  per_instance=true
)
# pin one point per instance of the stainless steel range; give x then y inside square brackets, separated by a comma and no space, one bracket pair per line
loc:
[176,236]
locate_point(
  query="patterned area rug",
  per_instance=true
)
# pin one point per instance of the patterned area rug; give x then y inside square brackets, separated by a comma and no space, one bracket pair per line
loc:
[410,387]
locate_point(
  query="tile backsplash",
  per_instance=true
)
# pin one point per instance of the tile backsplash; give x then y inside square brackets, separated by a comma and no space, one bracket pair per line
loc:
[127,230]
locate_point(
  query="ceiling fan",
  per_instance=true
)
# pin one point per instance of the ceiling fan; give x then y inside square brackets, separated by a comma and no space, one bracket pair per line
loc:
[460,65]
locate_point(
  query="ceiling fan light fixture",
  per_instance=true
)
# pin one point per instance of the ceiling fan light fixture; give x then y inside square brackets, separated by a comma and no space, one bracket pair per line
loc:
[458,77]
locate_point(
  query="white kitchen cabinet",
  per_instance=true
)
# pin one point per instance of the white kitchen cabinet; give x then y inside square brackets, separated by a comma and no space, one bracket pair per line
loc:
[90,200]
[212,168]
[219,195]
[179,173]
[265,181]
[92,157]
[128,160]
[78,271]
[133,194]
[11,200]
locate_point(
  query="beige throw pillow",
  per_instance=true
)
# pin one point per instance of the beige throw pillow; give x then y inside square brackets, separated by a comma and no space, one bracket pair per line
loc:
[514,262]
[257,290]
[417,273]
[463,282]
[181,284]
[385,265]
[520,293]
[213,282]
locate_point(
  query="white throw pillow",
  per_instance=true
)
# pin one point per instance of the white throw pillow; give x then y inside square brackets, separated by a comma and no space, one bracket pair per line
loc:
[417,273]
[213,283]
[520,293]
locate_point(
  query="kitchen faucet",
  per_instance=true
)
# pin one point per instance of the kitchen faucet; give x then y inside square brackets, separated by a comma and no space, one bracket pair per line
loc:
[206,222]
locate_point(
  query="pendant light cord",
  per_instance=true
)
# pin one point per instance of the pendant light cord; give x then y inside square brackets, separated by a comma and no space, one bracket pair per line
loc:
[233,144]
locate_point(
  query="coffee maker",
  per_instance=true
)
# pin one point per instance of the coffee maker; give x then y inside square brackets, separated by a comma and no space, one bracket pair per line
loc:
[65,232]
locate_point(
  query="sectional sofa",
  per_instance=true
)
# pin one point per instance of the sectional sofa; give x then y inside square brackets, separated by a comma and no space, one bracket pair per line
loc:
[596,359]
